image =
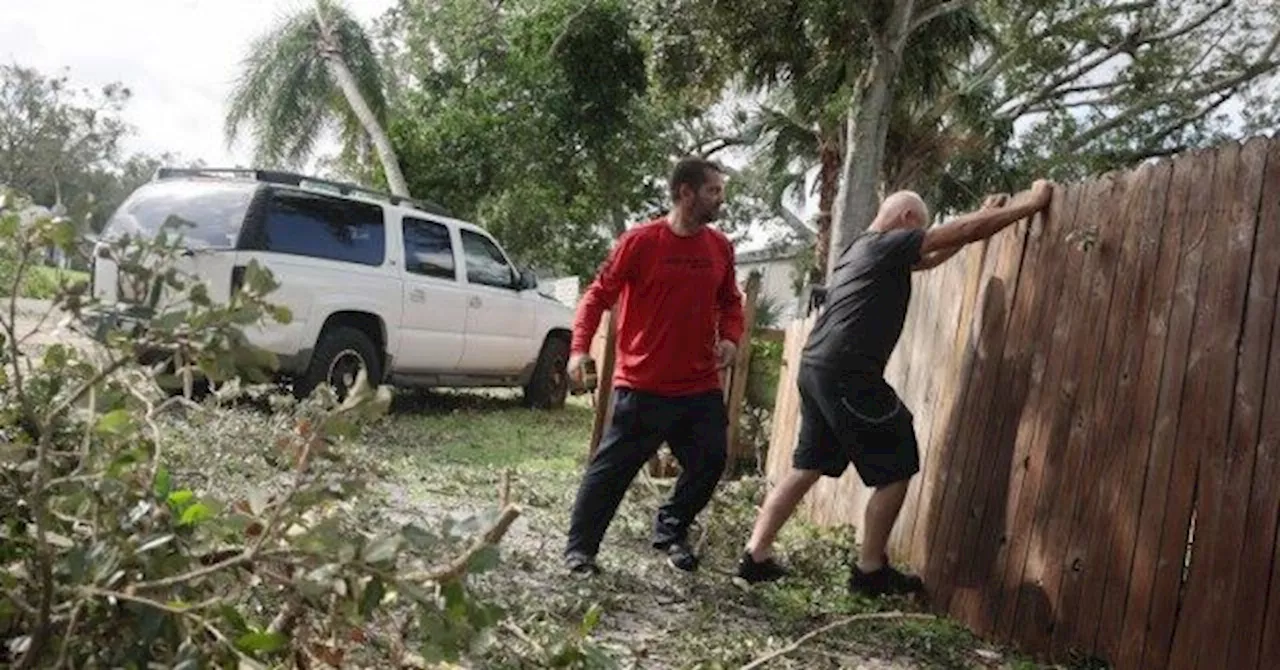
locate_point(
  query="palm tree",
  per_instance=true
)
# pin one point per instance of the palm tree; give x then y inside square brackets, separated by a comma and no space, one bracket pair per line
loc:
[312,70]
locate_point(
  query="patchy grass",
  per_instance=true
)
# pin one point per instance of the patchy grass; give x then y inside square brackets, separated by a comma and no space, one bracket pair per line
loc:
[40,282]
[445,455]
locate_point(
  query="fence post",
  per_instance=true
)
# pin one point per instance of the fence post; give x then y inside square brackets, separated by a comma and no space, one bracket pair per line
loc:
[737,388]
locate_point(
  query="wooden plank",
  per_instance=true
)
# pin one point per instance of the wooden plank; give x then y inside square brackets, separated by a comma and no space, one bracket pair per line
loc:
[741,367]
[1081,523]
[1180,501]
[1226,462]
[786,417]
[1256,558]
[1035,608]
[1269,654]
[1029,454]
[999,286]
[942,453]
[1078,404]
[929,368]
[980,607]
[988,490]
[1107,576]
[915,347]
[1169,329]
[604,383]
[951,369]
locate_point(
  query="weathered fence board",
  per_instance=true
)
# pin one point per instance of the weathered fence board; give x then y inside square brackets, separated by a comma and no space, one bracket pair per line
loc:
[1095,393]
[1175,281]
[1255,558]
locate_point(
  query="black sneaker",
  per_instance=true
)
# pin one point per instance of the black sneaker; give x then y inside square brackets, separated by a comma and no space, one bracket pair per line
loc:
[754,572]
[581,564]
[884,582]
[681,557]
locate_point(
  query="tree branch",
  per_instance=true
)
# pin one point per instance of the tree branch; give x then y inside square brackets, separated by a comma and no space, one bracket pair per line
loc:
[936,11]
[760,662]
[458,566]
[1261,66]
[1128,45]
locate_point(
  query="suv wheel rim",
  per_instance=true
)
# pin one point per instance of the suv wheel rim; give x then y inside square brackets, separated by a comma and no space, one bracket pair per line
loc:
[344,369]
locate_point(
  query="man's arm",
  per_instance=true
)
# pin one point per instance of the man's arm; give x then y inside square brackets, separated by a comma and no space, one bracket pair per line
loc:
[933,259]
[602,294]
[987,221]
[729,300]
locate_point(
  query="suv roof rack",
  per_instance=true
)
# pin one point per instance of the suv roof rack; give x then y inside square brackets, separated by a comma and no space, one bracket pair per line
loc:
[295,179]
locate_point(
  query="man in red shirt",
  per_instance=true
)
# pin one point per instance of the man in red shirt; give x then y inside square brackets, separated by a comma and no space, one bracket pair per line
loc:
[673,290]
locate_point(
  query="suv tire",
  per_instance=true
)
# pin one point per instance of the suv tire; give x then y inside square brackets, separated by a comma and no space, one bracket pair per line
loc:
[337,359]
[549,385]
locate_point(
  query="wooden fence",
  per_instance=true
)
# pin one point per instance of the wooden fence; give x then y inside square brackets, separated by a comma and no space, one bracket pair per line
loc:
[1097,400]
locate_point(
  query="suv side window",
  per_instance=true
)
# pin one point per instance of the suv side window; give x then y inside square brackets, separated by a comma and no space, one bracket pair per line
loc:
[485,262]
[428,250]
[318,226]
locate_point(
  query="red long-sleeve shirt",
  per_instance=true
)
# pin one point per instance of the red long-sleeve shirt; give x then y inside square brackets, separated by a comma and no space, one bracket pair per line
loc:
[673,299]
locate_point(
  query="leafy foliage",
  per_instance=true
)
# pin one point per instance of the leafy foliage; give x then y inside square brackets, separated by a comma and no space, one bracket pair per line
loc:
[286,93]
[110,560]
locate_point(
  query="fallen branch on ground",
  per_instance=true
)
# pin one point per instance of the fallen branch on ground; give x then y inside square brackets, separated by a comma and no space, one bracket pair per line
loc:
[833,625]
[458,566]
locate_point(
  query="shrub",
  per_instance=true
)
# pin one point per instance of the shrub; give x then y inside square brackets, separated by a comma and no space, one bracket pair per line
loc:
[107,560]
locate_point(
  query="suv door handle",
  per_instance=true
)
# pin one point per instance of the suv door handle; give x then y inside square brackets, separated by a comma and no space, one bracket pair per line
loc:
[418,295]
[475,301]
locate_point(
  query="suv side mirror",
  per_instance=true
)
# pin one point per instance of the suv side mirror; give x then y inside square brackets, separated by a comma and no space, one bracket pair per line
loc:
[527,280]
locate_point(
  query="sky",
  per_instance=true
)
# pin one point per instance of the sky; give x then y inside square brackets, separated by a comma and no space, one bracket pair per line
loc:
[178,57]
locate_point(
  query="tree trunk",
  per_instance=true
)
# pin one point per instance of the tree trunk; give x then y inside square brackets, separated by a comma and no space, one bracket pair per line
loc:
[332,53]
[381,143]
[867,127]
[830,157]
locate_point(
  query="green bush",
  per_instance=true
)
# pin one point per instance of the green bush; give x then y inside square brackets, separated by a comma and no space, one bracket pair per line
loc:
[108,561]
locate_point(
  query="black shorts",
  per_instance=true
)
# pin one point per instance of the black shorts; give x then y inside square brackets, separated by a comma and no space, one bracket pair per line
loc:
[854,419]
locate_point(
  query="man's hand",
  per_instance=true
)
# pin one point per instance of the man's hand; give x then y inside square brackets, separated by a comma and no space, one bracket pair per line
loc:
[1039,195]
[995,201]
[577,369]
[726,353]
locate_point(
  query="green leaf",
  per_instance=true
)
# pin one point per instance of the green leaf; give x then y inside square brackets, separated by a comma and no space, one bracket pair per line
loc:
[261,642]
[114,423]
[383,549]
[164,483]
[234,619]
[372,597]
[195,514]
[484,560]
[181,498]
[591,619]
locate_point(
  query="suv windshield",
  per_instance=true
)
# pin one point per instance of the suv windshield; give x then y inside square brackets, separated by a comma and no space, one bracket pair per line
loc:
[206,214]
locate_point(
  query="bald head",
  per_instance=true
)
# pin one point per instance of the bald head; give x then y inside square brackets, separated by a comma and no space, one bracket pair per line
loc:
[903,209]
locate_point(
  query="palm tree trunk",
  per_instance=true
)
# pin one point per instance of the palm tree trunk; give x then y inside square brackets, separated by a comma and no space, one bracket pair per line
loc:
[867,128]
[829,157]
[381,143]
[332,53]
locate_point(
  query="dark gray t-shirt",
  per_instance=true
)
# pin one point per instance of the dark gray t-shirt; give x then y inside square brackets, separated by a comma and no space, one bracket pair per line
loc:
[866,303]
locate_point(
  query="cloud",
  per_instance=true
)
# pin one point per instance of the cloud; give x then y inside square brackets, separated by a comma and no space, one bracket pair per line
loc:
[178,57]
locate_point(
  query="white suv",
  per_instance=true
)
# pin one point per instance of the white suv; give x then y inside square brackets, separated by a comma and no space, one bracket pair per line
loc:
[414,297]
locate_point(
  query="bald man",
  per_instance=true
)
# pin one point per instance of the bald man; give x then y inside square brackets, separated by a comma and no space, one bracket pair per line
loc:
[849,413]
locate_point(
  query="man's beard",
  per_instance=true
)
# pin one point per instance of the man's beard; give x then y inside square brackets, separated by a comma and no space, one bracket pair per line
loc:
[708,214]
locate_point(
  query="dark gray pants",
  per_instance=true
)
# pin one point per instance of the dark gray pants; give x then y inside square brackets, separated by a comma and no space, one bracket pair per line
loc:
[692,426]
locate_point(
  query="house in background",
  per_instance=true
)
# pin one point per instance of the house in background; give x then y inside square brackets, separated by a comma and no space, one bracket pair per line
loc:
[777,268]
